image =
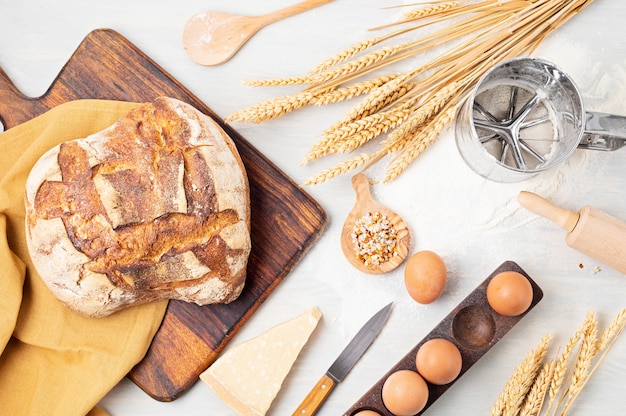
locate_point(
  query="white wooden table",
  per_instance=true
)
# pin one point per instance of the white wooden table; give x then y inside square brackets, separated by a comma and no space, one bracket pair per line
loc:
[472,223]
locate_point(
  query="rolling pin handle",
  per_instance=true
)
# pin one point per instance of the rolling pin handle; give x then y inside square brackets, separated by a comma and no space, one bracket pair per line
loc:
[564,218]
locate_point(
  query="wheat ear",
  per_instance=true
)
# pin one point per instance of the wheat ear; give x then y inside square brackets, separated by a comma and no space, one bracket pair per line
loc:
[346,54]
[339,169]
[552,376]
[611,332]
[273,108]
[562,364]
[359,132]
[523,380]
[429,11]
[536,396]
[416,145]
[370,125]
[605,343]
[378,98]
[357,64]
[354,90]
[430,107]
[344,136]
[277,82]
[518,385]
[582,365]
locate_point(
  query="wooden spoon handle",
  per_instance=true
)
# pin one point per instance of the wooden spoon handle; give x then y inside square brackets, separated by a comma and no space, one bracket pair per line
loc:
[292,10]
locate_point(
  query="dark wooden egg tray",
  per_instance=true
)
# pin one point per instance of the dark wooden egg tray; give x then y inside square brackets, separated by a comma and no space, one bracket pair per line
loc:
[473,326]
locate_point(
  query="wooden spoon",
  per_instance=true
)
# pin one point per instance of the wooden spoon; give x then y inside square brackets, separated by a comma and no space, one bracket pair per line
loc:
[212,38]
[364,205]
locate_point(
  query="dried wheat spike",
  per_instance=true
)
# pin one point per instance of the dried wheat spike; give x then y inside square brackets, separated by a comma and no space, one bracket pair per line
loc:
[272,108]
[346,137]
[520,382]
[523,381]
[339,169]
[344,55]
[430,107]
[611,333]
[370,127]
[352,67]
[376,123]
[582,365]
[536,396]
[378,98]
[614,328]
[354,90]
[277,82]
[431,10]
[562,363]
[418,144]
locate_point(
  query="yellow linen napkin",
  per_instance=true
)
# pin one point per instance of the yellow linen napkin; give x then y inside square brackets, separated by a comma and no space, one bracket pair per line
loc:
[53,361]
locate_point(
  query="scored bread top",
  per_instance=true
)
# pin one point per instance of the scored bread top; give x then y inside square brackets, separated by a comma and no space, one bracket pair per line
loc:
[154,207]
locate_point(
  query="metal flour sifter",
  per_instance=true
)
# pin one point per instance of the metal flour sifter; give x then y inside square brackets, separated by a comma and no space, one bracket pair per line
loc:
[525,116]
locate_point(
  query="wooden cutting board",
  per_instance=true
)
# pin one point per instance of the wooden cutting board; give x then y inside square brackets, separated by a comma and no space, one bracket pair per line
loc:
[285,220]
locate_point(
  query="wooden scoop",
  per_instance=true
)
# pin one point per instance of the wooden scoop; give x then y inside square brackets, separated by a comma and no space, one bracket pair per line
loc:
[365,204]
[212,38]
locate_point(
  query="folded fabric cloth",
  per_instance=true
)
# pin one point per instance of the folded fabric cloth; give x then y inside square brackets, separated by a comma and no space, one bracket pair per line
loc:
[52,361]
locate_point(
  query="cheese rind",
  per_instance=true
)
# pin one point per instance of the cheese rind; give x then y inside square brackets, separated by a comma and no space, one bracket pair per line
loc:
[249,375]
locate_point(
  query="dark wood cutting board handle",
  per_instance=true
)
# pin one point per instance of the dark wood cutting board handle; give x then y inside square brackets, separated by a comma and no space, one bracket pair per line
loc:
[15,107]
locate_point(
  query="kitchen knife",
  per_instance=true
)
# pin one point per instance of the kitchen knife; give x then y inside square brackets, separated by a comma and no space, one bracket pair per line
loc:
[343,364]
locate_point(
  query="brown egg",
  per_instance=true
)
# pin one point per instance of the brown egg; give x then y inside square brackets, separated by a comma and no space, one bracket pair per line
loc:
[425,276]
[509,293]
[439,361]
[405,393]
[367,413]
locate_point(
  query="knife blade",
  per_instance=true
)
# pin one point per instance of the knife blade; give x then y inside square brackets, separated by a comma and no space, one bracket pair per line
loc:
[344,363]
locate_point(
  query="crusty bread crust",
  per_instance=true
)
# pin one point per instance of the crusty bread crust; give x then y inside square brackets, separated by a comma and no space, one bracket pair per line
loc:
[154,207]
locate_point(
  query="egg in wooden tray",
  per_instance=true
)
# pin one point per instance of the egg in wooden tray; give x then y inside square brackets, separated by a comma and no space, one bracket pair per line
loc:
[466,334]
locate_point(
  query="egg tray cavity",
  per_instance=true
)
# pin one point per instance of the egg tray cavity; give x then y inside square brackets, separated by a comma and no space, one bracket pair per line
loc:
[473,326]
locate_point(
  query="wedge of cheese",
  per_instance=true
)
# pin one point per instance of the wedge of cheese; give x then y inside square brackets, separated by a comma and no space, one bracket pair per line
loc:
[248,376]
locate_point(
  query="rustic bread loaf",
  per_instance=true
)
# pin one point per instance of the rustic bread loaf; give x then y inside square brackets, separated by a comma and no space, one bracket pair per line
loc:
[154,207]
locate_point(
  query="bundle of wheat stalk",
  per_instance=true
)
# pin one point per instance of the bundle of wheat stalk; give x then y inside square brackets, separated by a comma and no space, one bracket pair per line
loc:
[406,111]
[552,386]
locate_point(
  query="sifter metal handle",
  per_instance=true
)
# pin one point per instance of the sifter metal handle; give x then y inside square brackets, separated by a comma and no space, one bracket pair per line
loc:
[603,132]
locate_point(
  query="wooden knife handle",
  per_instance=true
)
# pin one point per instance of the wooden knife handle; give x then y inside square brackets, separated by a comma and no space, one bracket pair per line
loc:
[316,397]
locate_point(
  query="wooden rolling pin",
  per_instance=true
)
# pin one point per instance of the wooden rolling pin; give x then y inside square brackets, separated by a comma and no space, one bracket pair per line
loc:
[590,231]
